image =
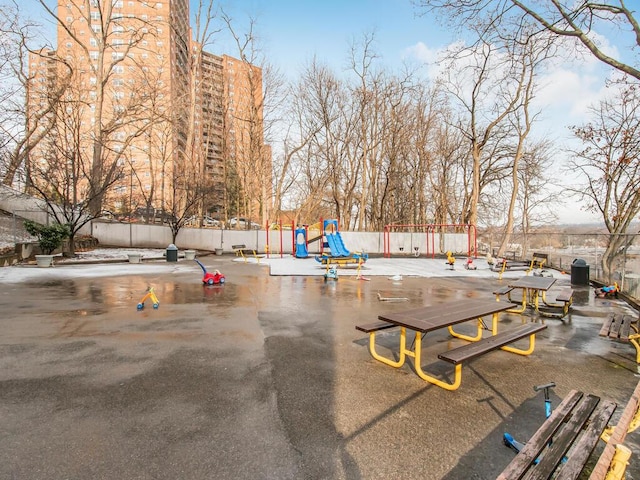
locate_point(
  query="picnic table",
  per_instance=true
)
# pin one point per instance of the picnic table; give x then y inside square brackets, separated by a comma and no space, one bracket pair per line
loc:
[535,289]
[431,318]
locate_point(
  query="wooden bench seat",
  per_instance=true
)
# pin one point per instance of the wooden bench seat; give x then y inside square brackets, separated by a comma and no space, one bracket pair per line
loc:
[502,291]
[500,340]
[565,296]
[622,328]
[563,444]
[375,326]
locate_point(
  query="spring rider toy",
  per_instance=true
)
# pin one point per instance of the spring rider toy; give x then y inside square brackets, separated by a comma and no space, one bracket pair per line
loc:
[149,295]
[211,278]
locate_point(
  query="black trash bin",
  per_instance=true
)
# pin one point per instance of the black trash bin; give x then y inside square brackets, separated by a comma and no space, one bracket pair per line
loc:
[579,272]
[172,253]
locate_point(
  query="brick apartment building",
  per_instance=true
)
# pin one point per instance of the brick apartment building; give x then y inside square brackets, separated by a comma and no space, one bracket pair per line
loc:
[137,107]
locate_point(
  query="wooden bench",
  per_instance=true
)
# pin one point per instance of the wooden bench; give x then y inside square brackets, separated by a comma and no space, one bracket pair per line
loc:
[242,250]
[622,328]
[563,444]
[500,340]
[561,447]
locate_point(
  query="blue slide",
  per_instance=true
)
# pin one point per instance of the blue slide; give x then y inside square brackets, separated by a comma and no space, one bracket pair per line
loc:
[336,245]
[301,243]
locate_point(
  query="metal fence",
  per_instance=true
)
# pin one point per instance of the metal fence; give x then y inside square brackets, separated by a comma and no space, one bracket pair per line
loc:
[564,248]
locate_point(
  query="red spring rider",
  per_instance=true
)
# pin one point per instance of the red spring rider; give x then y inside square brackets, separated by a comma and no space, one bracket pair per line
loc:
[215,278]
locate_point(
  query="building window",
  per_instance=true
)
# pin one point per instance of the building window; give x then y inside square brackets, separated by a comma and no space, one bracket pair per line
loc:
[95,16]
[93,55]
[96,28]
[93,42]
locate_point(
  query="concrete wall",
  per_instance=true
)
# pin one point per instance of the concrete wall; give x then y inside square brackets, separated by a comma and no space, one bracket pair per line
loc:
[23,205]
[159,236]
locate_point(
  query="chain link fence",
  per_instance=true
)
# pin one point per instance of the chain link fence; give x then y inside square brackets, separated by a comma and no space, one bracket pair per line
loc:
[564,248]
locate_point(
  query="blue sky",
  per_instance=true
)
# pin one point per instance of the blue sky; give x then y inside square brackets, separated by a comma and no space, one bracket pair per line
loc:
[295,31]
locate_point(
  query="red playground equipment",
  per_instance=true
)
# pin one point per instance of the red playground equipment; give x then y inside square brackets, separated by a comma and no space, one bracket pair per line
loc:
[215,278]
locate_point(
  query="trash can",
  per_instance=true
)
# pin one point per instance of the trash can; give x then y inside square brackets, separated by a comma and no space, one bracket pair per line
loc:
[579,272]
[172,253]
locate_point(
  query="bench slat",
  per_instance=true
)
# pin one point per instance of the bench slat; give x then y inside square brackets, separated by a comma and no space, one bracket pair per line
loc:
[373,327]
[604,331]
[625,327]
[475,349]
[615,326]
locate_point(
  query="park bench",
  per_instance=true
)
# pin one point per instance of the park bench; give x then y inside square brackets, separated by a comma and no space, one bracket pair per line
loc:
[243,251]
[538,260]
[622,328]
[562,446]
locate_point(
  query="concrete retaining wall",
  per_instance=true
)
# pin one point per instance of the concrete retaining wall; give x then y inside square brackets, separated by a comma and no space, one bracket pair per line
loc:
[159,236]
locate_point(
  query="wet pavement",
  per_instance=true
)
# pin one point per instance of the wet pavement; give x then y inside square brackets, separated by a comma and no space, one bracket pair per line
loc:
[267,378]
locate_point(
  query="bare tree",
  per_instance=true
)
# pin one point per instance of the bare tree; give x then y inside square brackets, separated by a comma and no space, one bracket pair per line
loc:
[495,94]
[581,21]
[252,156]
[609,164]
[21,131]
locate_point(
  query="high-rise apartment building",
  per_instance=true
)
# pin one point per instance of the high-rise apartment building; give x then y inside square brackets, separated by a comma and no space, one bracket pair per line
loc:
[147,119]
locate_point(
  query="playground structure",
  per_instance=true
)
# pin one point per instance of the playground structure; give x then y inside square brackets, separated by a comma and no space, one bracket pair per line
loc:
[429,239]
[398,240]
[338,253]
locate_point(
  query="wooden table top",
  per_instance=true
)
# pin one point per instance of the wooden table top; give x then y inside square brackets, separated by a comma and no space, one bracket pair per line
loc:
[538,283]
[433,317]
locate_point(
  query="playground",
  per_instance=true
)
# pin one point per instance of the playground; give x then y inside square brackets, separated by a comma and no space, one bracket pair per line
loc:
[266,377]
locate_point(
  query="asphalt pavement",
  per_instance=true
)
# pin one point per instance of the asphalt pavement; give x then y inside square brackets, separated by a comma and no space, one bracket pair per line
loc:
[266,376]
